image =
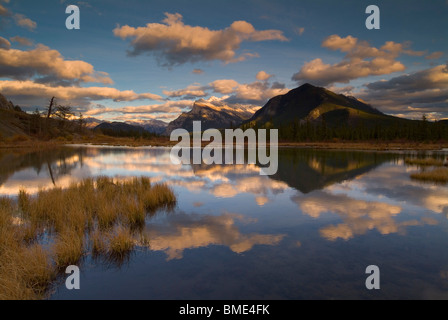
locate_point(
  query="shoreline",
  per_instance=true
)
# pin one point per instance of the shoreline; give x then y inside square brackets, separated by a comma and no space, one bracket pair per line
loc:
[162,142]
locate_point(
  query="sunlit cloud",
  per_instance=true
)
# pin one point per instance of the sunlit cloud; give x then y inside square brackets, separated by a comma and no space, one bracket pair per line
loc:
[263,76]
[361,60]
[29,92]
[256,93]
[47,64]
[421,91]
[24,22]
[166,107]
[22,41]
[174,42]
[198,71]
[435,55]
[4,44]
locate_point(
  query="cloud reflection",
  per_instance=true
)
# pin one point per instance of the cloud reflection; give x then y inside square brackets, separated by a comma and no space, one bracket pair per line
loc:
[358,216]
[182,232]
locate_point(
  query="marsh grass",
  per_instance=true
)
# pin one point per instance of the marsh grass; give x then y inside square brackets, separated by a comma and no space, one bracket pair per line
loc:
[99,216]
[438,175]
[26,271]
[68,249]
[424,162]
[121,243]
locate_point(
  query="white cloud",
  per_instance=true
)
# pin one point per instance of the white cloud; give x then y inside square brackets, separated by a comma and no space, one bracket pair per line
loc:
[435,55]
[22,41]
[48,63]
[169,107]
[299,31]
[412,94]
[192,91]
[177,43]
[24,22]
[361,60]
[81,95]
[255,93]
[263,76]
[4,44]
[3,11]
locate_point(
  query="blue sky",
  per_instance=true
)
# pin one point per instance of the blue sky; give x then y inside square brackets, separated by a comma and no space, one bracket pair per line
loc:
[139,60]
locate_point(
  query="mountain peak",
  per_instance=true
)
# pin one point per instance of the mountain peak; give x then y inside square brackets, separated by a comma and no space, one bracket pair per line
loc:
[213,113]
[311,103]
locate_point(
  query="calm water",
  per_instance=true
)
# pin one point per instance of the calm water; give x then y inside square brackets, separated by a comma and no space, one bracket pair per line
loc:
[308,232]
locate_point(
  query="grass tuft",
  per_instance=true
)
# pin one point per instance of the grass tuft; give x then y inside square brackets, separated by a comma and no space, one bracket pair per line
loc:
[68,248]
[438,175]
[424,162]
[103,211]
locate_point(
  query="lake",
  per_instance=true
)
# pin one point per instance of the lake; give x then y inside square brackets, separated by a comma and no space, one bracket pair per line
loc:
[308,232]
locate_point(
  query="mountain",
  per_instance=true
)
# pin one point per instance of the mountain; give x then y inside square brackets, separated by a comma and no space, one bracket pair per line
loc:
[313,104]
[212,114]
[13,121]
[5,104]
[92,123]
[152,126]
[119,129]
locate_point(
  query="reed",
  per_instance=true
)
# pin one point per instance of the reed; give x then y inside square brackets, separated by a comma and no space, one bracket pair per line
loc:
[121,243]
[424,162]
[438,175]
[68,248]
[104,211]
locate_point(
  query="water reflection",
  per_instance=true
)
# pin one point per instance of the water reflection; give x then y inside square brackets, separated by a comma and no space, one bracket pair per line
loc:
[358,216]
[183,231]
[305,228]
[310,170]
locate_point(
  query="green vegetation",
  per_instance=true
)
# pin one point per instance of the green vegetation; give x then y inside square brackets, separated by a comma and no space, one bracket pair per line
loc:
[364,130]
[101,216]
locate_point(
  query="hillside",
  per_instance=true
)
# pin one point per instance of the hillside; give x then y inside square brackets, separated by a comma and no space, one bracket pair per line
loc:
[212,115]
[119,129]
[12,120]
[313,104]
[152,126]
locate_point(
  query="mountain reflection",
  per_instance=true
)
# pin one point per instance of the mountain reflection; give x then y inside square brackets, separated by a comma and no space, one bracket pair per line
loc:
[366,190]
[188,231]
[304,170]
[307,169]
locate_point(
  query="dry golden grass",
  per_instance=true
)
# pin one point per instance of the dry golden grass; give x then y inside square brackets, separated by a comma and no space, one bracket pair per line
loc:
[68,248]
[25,271]
[424,162]
[104,211]
[438,175]
[98,243]
[121,243]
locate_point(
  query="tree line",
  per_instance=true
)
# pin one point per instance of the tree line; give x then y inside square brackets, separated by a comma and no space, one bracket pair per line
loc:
[410,130]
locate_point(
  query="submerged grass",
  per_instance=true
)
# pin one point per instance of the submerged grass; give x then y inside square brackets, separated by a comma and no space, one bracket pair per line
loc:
[104,211]
[438,175]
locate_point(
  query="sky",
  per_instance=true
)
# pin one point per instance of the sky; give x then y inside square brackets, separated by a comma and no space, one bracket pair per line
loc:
[141,60]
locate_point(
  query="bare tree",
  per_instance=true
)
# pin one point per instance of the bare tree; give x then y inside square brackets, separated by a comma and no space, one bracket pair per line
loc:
[50,107]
